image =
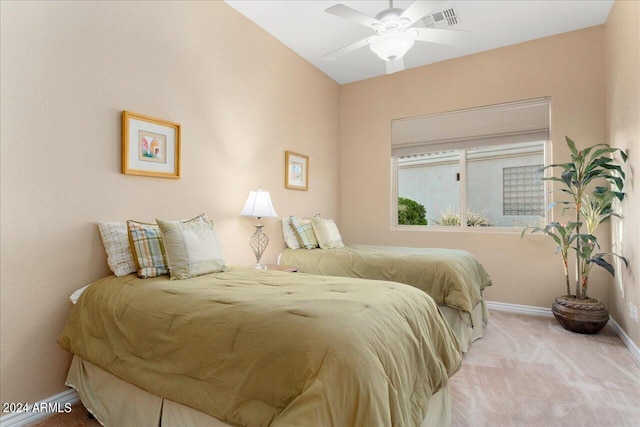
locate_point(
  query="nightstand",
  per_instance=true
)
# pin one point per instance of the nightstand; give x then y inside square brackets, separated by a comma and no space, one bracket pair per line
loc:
[286,268]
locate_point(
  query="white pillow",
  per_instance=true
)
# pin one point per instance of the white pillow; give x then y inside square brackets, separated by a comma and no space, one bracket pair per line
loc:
[74,296]
[289,235]
[115,240]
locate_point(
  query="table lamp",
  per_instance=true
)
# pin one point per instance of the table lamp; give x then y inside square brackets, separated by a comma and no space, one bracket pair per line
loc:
[259,205]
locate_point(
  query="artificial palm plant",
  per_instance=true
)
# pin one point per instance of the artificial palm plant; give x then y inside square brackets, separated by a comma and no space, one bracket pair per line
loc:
[582,179]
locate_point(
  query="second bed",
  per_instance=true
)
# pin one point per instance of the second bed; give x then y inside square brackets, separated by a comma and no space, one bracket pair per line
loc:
[454,278]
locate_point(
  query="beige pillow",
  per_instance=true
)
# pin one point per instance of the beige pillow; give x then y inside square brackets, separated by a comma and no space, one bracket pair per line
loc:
[147,247]
[192,248]
[327,233]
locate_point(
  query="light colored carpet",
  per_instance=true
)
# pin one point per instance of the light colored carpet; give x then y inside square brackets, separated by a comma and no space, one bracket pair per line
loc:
[526,371]
[529,371]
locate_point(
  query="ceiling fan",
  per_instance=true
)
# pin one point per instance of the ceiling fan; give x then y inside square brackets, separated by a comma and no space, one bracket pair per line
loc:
[394,34]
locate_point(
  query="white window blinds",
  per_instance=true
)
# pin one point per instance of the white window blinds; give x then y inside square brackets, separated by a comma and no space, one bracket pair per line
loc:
[522,121]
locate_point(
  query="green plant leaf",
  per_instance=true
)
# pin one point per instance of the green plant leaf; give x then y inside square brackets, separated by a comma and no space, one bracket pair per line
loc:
[602,151]
[598,260]
[624,156]
[552,178]
[616,168]
[600,190]
[568,177]
[572,145]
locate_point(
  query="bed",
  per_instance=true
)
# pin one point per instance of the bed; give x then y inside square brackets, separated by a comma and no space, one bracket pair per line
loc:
[455,279]
[258,348]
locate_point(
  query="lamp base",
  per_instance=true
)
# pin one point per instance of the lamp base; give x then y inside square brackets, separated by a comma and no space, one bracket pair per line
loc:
[258,242]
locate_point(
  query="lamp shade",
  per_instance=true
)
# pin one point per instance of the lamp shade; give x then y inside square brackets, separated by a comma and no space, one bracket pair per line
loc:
[259,205]
[392,45]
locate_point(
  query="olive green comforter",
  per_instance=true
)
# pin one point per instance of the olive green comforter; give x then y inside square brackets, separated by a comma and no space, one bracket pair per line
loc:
[451,277]
[262,348]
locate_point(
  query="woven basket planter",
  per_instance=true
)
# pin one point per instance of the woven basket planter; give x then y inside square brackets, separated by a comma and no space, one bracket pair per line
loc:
[581,316]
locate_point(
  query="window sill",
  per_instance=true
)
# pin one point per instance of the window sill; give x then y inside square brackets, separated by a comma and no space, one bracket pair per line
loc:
[444,229]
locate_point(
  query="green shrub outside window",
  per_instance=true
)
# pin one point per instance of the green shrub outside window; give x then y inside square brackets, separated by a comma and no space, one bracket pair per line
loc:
[411,212]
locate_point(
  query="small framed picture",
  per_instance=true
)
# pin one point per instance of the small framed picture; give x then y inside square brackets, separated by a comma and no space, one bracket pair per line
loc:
[296,171]
[150,146]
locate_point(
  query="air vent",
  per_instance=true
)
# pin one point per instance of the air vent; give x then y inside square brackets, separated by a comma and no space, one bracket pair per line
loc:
[443,19]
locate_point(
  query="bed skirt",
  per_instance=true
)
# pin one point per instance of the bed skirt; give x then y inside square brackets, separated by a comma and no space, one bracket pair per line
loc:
[465,333]
[115,402]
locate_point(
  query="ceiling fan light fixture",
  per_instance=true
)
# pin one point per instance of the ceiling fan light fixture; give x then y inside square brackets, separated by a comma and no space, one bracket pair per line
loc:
[392,46]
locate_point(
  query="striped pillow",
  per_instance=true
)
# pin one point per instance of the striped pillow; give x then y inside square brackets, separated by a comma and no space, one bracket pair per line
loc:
[147,249]
[305,233]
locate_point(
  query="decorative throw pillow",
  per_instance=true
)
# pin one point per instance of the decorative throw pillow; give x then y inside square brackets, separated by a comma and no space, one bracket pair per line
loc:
[289,234]
[147,249]
[327,233]
[115,240]
[304,231]
[192,248]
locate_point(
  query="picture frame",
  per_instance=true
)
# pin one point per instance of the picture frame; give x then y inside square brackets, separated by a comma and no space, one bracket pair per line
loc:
[296,171]
[150,146]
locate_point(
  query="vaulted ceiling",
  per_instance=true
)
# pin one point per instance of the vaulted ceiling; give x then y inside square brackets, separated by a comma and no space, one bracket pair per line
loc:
[305,27]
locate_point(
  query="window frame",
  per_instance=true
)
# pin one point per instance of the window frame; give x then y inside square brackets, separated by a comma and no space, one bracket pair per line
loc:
[463,227]
[463,197]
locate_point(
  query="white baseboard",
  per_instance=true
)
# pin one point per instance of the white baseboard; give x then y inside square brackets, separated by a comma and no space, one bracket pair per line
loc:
[527,309]
[50,405]
[628,342]
[517,308]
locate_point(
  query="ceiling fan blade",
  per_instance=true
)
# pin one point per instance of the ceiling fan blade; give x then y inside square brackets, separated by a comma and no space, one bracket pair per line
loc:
[352,15]
[348,48]
[395,66]
[433,35]
[419,9]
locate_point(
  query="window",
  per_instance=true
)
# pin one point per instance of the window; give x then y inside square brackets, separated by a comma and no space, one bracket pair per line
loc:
[522,190]
[474,168]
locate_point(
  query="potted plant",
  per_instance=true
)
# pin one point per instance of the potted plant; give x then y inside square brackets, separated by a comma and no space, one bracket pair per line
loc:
[582,179]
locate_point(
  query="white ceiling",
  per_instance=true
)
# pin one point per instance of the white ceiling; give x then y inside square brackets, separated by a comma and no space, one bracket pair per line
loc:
[308,30]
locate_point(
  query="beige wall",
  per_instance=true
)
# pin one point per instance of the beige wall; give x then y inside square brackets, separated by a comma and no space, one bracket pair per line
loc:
[68,70]
[569,68]
[622,59]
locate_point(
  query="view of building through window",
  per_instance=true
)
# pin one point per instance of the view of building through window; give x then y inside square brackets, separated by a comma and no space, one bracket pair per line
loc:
[503,184]
[477,167]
